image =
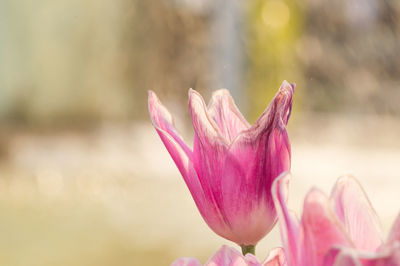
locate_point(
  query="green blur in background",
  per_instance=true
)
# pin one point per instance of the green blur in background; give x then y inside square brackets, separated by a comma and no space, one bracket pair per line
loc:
[84,180]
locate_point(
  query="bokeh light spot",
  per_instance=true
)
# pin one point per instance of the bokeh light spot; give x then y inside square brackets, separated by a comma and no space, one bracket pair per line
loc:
[275,14]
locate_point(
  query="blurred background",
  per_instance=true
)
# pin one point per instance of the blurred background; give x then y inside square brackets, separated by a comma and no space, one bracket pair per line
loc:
[85,180]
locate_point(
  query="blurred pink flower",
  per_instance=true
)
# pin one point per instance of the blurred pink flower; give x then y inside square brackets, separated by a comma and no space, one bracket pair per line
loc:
[227,256]
[232,165]
[340,230]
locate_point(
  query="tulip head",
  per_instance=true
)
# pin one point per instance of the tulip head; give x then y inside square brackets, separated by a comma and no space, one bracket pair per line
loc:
[232,165]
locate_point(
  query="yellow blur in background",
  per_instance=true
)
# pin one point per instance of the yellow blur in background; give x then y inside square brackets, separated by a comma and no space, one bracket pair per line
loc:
[85,180]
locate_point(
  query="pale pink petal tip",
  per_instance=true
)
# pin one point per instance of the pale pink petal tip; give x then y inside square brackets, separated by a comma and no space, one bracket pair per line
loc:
[204,126]
[321,227]
[186,262]
[276,257]
[355,211]
[227,256]
[223,110]
[289,224]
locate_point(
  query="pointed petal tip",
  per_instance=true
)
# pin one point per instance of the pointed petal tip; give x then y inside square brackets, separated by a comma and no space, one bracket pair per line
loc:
[192,91]
[159,114]
[226,256]
[152,97]
[284,101]
[316,195]
[289,87]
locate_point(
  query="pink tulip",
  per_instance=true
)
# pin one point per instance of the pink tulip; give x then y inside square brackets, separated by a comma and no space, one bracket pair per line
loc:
[227,256]
[232,165]
[340,230]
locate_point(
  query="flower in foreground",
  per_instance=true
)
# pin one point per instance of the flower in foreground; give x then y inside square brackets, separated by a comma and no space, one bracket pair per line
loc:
[232,165]
[227,256]
[340,230]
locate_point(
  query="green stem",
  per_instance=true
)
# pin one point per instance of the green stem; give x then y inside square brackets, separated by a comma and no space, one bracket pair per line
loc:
[248,249]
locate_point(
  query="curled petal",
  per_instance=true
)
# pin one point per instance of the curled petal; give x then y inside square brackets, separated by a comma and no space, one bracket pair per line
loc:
[289,224]
[322,229]
[186,262]
[223,111]
[163,121]
[227,256]
[276,257]
[183,156]
[179,151]
[356,213]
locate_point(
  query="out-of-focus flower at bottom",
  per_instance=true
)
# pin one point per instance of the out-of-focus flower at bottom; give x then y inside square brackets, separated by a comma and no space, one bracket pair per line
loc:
[342,230]
[227,256]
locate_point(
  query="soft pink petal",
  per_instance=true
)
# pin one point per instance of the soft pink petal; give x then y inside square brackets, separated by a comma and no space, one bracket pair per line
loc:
[356,213]
[257,156]
[339,256]
[289,224]
[182,156]
[394,234]
[179,151]
[322,229]
[227,256]
[223,111]
[251,260]
[204,126]
[163,121]
[186,262]
[209,151]
[276,257]
[346,260]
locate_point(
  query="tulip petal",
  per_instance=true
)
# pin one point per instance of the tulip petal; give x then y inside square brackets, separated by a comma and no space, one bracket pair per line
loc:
[227,256]
[223,111]
[356,213]
[251,260]
[186,262]
[179,151]
[182,156]
[343,259]
[255,158]
[339,256]
[276,257]
[204,126]
[209,151]
[163,121]
[322,229]
[289,224]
